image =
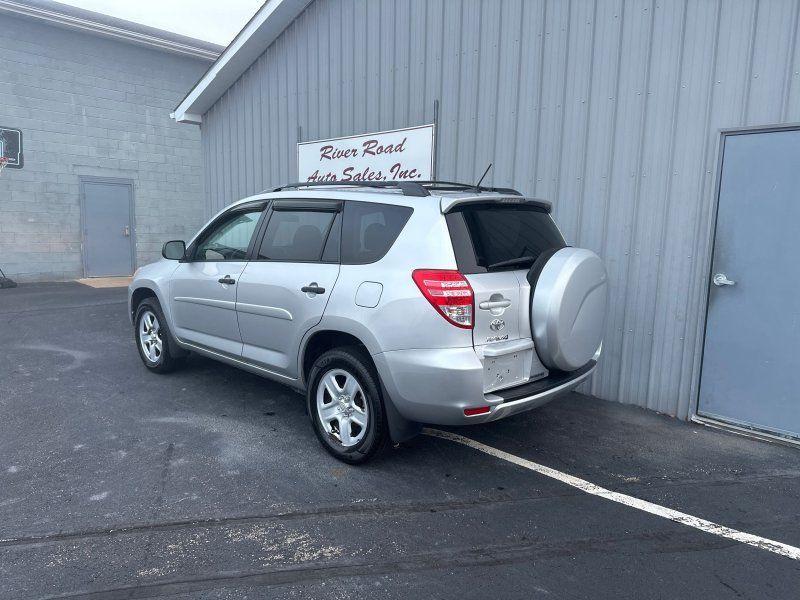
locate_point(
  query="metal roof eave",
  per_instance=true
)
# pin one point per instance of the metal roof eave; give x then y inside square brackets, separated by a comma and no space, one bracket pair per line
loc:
[70,17]
[251,42]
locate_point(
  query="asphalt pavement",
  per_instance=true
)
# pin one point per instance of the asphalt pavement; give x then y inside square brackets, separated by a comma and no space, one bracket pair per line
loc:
[209,483]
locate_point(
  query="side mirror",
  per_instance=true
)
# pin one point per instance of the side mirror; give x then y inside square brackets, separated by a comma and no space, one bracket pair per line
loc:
[174,250]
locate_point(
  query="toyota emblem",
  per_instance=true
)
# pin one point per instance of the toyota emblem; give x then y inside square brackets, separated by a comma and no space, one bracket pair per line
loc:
[497,325]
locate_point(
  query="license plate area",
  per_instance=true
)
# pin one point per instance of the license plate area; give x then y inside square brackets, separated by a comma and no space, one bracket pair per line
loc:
[506,370]
[510,364]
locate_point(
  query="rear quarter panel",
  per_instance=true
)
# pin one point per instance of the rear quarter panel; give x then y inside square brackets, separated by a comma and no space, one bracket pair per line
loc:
[402,318]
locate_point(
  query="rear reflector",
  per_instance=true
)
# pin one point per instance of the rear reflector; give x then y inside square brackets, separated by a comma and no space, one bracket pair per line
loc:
[471,412]
[449,292]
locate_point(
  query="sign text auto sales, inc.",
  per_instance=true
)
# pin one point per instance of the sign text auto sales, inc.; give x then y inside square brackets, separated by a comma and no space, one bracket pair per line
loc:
[402,155]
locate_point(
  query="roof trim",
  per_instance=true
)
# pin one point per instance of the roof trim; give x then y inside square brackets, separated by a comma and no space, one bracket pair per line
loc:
[251,42]
[73,18]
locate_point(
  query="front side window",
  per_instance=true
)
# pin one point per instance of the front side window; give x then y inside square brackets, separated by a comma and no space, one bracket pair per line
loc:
[297,236]
[229,238]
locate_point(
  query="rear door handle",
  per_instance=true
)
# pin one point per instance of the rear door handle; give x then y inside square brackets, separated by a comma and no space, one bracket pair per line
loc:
[228,280]
[312,288]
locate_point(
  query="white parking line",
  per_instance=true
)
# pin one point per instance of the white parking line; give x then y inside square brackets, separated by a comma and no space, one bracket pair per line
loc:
[648,507]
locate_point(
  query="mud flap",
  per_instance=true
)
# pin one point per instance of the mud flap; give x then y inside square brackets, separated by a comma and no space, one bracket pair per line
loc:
[400,428]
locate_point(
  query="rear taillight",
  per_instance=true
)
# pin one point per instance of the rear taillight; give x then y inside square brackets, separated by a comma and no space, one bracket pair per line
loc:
[449,292]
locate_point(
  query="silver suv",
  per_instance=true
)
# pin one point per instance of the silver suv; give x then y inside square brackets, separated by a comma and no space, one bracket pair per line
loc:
[388,304]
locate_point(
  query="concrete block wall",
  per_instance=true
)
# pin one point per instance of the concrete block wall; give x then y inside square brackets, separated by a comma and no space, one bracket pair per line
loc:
[90,106]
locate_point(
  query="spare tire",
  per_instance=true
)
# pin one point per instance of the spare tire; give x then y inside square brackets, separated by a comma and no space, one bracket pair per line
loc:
[568,307]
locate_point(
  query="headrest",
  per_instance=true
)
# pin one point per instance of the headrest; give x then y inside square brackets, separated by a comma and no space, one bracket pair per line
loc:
[374,237]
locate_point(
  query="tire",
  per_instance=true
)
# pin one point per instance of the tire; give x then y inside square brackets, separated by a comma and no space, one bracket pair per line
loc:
[351,425]
[153,339]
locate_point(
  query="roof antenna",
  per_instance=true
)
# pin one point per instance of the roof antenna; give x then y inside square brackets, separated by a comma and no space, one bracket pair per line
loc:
[478,185]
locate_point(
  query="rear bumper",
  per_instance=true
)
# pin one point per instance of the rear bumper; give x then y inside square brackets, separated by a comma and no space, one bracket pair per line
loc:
[532,395]
[435,386]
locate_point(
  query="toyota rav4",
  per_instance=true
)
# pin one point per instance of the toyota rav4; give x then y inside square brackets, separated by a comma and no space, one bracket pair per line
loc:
[388,305]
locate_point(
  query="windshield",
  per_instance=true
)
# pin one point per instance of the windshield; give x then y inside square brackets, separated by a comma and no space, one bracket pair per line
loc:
[488,237]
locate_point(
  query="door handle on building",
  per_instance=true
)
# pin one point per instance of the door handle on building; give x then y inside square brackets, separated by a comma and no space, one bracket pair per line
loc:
[721,279]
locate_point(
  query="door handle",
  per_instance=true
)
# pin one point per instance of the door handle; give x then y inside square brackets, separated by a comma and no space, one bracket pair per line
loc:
[228,280]
[490,304]
[721,279]
[312,288]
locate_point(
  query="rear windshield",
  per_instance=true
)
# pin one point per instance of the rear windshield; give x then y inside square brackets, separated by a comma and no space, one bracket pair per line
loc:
[490,237]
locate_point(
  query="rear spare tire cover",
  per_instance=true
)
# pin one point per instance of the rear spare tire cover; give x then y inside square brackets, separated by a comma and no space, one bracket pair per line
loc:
[568,308]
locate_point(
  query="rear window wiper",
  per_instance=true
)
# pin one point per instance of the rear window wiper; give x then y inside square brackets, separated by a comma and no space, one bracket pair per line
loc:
[512,262]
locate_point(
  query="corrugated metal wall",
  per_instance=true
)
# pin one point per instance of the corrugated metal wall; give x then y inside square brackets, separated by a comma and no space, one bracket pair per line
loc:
[611,109]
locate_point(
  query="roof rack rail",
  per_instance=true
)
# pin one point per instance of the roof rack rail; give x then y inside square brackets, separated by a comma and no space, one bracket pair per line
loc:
[455,186]
[409,188]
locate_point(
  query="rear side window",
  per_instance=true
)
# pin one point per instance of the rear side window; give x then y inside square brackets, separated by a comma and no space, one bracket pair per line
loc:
[369,230]
[331,252]
[493,237]
[296,236]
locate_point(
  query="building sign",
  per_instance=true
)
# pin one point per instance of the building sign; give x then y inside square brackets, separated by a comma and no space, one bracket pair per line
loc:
[401,154]
[11,147]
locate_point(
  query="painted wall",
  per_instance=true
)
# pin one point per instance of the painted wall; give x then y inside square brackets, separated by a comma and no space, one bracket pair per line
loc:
[91,106]
[610,109]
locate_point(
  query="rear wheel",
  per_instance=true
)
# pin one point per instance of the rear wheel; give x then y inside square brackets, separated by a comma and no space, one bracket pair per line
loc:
[345,405]
[152,337]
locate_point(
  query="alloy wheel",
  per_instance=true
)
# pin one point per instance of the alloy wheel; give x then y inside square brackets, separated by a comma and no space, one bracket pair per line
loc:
[150,336]
[342,407]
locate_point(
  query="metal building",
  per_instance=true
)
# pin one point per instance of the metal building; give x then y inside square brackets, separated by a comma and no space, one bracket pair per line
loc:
[99,175]
[618,111]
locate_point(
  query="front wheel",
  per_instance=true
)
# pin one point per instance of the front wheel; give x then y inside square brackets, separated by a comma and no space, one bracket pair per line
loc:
[345,405]
[152,338]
